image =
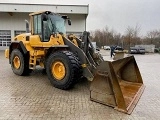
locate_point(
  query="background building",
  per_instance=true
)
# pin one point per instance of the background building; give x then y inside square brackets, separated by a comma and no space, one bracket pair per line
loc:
[13,15]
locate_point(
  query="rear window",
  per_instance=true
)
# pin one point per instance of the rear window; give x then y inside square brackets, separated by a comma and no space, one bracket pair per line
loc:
[142,49]
[118,48]
[137,48]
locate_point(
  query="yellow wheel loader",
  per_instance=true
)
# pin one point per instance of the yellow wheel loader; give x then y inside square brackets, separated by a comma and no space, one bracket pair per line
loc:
[66,59]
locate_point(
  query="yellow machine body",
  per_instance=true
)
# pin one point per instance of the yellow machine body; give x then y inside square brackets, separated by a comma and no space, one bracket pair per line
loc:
[37,48]
[115,83]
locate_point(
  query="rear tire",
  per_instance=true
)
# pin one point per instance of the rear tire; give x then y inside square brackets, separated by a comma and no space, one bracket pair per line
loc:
[18,64]
[70,66]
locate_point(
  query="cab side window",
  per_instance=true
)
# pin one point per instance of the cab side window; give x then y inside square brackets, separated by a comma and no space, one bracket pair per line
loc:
[37,25]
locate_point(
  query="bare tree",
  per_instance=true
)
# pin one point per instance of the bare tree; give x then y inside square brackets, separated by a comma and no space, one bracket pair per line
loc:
[128,36]
[111,37]
[137,30]
[105,37]
[131,37]
[152,35]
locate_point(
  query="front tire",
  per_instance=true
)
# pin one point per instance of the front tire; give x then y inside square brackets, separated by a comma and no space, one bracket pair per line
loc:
[18,64]
[62,69]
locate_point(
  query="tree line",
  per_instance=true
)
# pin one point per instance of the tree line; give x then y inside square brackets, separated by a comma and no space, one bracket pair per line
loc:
[130,38]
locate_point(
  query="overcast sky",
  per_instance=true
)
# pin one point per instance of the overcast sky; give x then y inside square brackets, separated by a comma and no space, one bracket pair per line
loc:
[116,14]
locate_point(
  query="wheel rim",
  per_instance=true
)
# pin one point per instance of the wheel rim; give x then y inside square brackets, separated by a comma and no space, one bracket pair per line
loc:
[16,62]
[58,70]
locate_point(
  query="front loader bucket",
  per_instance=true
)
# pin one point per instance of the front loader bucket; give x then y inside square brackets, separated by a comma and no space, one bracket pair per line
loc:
[117,84]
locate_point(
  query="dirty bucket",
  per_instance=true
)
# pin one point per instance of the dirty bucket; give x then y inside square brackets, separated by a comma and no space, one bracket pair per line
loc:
[118,84]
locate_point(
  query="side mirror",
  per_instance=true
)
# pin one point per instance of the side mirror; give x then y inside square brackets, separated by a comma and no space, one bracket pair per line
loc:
[69,22]
[44,17]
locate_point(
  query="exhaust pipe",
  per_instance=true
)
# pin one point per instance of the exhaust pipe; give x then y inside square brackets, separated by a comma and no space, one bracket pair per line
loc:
[27,26]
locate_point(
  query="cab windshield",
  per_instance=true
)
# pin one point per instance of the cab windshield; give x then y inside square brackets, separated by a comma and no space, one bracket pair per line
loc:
[57,24]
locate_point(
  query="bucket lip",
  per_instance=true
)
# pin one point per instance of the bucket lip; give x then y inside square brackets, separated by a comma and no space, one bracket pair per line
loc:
[119,59]
[134,102]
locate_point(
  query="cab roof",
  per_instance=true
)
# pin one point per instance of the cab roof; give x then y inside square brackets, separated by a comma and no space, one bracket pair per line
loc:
[48,12]
[40,12]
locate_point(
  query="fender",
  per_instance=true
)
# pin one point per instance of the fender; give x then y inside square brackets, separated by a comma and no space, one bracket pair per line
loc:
[18,45]
[55,48]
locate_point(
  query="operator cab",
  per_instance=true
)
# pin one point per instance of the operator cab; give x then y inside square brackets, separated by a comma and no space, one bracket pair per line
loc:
[47,23]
